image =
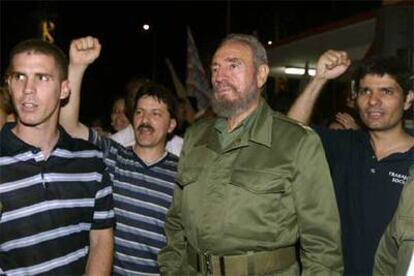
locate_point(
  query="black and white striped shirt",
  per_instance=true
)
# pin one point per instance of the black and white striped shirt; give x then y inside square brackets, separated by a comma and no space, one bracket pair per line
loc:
[142,196]
[50,205]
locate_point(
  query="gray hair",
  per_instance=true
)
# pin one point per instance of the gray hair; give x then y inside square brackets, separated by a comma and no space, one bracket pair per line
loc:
[258,51]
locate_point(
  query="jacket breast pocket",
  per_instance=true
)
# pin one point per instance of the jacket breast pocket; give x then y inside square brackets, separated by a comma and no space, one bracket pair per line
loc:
[258,182]
[258,204]
[258,190]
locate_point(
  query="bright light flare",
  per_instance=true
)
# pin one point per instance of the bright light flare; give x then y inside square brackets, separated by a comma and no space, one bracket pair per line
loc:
[299,71]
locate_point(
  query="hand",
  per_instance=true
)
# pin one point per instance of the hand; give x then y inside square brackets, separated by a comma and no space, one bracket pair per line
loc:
[84,51]
[346,120]
[332,64]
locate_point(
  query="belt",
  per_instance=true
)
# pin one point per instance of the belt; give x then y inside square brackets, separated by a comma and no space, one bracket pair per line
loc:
[251,263]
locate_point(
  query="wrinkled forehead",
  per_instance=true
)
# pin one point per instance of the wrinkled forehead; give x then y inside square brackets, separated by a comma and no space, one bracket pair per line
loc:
[232,50]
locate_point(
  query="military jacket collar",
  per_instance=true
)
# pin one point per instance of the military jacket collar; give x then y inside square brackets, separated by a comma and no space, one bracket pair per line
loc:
[260,132]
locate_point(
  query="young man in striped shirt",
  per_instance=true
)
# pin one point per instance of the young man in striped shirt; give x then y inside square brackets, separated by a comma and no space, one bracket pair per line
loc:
[56,211]
[143,175]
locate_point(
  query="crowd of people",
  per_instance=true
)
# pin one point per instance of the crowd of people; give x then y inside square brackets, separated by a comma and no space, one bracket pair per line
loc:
[242,190]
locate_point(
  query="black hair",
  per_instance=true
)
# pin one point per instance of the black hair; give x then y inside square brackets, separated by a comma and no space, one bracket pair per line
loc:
[161,93]
[392,66]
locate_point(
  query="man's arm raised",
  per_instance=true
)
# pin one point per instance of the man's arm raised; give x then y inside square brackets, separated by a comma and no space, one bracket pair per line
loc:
[82,53]
[330,65]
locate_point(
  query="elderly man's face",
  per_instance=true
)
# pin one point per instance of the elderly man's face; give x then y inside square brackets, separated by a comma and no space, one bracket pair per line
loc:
[234,79]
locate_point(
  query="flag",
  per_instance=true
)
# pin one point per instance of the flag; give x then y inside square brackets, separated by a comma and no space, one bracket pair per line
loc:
[47,28]
[181,92]
[179,87]
[197,84]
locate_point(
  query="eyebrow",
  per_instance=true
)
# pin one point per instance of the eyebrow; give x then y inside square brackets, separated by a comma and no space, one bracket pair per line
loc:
[233,59]
[36,74]
[380,87]
[229,59]
[149,109]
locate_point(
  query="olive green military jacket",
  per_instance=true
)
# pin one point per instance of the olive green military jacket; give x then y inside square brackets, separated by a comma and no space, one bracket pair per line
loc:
[269,189]
[395,250]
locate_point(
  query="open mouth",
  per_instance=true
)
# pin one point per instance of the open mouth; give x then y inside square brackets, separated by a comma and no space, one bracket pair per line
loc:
[375,114]
[145,129]
[29,106]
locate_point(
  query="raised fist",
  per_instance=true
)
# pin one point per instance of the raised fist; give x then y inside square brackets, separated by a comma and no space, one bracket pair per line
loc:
[84,51]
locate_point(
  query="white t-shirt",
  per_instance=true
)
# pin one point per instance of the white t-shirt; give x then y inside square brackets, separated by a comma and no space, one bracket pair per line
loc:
[126,138]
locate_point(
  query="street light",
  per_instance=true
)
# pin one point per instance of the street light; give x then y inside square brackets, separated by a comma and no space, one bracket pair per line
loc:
[147,28]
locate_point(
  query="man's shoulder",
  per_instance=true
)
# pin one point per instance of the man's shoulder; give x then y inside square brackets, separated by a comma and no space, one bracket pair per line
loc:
[80,144]
[201,126]
[66,141]
[203,123]
[282,121]
[172,158]
[343,135]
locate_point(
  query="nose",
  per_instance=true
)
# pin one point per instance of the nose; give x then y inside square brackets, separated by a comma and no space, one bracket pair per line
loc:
[218,75]
[374,99]
[29,86]
[144,117]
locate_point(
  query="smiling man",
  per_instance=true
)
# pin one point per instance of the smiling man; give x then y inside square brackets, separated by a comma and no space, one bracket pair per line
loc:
[368,166]
[56,213]
[247,200]
[143,175]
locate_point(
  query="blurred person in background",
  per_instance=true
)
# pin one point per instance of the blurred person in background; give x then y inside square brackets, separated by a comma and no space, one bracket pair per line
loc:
[7,113]
[119,119]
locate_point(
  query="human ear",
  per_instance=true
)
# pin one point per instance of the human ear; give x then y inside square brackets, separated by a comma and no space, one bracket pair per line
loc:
[64,90]
[173,124]
[262,73]
[409,98]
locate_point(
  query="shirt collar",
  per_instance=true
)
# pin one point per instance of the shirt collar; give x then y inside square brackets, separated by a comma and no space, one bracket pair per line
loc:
[260,132]
[12,145]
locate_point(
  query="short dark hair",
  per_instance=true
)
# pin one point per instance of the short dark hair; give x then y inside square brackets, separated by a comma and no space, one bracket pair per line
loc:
[43,47]
[380,66]
[161,93]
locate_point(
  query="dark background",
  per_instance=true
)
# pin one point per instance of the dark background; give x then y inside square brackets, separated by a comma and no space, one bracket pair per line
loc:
[127,50]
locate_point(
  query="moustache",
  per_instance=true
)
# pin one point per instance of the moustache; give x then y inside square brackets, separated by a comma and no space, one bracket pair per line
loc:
[145,125]
[222,85]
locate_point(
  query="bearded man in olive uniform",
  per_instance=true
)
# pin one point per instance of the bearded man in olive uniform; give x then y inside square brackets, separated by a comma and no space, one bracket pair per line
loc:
[254,194]
[395,253]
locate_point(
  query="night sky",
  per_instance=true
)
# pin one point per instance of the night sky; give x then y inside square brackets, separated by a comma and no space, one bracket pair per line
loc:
[127,50]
